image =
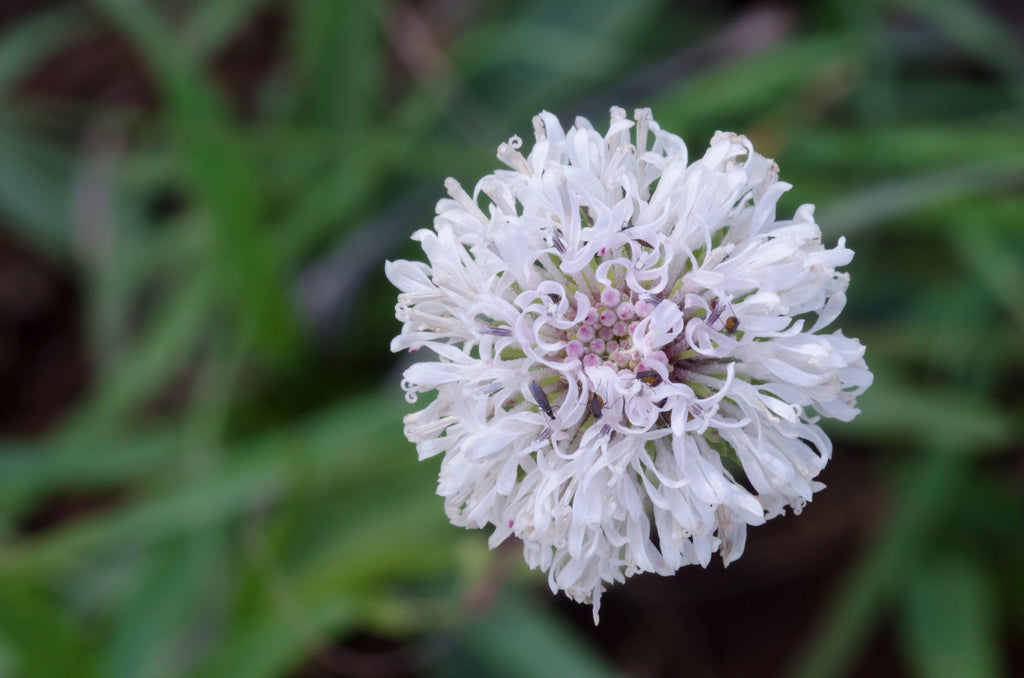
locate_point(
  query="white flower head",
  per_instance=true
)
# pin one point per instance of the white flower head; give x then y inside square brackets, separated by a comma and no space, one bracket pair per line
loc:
[630,363]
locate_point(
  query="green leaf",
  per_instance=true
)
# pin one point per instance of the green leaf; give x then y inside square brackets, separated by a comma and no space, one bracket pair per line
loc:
[221,174]
[277,642]
[559,50]
[327,204]
[363,544]
[519,638]
[214,23]
[745,86]
[26,44]
[47,644]
[949,627]
[889,563]
[337,53]
[77,463]
[976,30]
[35,191]
[166,345]
[175,595]
[349,441]
[487,81]
[885,202]
[921,147]
[999,265]
[384,523]
[963,421]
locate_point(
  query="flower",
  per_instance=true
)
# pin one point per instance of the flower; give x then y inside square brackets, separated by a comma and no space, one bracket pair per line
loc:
[629,357]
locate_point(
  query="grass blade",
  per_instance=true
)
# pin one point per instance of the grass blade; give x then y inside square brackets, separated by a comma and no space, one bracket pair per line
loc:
[949,624]
[998,265]
[175,593]
[352,441]
[743,87]
[337,53]
[171,337]
[36,38]
[881,204]
[519,638]
[869,587]
[221,174]
[35,192]
[213,23]
[44,641]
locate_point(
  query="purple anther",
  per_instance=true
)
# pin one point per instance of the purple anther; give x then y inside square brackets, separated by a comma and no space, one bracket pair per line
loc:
[556,240]
[716,312]
[497,331]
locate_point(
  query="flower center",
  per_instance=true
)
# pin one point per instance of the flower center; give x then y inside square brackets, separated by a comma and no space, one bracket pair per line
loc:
[606,334]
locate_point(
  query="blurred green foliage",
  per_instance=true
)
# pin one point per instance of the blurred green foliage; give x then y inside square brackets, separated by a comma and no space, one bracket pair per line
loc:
[275,507]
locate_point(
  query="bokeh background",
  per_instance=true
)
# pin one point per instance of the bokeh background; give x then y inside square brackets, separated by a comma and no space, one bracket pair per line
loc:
[202,469]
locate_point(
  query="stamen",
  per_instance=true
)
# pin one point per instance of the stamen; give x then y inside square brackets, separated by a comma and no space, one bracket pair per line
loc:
[433,428]
[490,187]
[540,133]
[496,331]
[409,298]
[557,242]
[444,279]
[620,154]
[643,118]
[460,196]
[509,154]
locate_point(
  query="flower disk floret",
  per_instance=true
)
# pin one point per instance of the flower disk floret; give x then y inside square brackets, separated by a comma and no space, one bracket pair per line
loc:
[628,350]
